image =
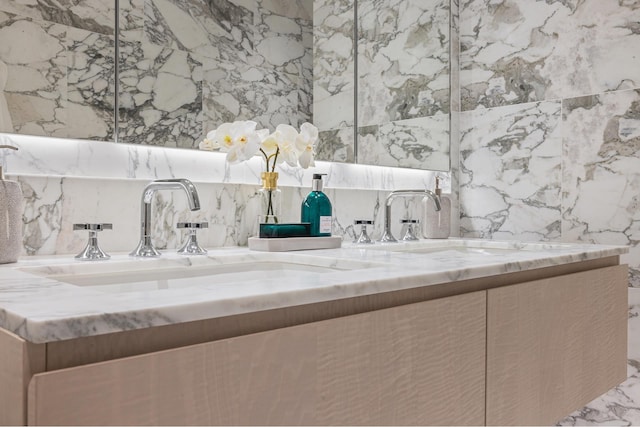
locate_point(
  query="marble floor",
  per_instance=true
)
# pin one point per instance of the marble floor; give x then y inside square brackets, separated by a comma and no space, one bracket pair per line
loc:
[621,405]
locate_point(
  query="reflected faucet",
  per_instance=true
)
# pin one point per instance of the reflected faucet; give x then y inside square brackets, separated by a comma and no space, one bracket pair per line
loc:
[387,237]
[145,247]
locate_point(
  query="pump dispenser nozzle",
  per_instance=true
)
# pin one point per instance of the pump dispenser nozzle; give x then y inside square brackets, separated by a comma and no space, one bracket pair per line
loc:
[316,184]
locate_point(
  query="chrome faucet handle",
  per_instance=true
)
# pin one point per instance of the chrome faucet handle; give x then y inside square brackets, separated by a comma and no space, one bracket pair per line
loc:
[92,251]
[387,236]
[190,246]
[145,248]
[409,234]
[363,237]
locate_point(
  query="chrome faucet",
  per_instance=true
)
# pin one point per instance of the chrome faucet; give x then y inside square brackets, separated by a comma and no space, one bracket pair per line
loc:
[145,247]
[387,237]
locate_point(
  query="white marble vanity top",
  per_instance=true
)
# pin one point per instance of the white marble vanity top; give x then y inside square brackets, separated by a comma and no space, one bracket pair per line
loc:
[39,303]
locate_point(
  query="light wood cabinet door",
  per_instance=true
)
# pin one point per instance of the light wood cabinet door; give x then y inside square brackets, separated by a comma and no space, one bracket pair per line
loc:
[554,345]
[19,360]
[421,363]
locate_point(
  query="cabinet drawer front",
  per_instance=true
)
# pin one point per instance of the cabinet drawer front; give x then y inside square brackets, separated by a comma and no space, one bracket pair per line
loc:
[415,364]
[554,345]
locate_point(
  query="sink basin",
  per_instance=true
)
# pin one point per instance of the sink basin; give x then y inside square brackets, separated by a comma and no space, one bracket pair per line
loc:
[458,247]
[159,274]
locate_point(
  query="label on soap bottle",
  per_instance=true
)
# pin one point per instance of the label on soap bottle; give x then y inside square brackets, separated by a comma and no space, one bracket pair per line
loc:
[325,224]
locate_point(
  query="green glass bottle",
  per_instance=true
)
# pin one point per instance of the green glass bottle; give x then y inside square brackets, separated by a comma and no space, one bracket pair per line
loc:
[316,209]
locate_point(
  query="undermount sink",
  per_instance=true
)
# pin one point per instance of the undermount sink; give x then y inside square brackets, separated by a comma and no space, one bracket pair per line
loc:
[159,274]
[459,247]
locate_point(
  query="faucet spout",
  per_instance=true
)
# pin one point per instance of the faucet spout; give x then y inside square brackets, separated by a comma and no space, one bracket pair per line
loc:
[387,236]
[145,247]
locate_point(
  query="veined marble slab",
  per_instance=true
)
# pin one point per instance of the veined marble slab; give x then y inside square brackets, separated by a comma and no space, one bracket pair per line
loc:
[41,309]
[510,172]
[520,51]
[601,168]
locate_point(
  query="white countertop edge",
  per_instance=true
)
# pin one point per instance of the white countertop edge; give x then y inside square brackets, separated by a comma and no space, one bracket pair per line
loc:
[42,310]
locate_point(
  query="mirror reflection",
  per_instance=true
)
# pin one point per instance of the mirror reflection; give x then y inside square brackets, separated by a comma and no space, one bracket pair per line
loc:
[187,66]
[57,68]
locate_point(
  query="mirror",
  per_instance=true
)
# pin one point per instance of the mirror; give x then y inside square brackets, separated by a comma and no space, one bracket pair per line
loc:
[402,84]
[186,67]
[57,68]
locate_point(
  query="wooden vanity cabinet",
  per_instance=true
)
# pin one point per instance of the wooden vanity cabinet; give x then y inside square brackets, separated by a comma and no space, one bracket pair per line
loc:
[419,364]
[553,345]
[515,349]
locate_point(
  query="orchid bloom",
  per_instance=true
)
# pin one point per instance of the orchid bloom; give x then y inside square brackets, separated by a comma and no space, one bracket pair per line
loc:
[240,140]
[284,140]
[305,144]
[208,145]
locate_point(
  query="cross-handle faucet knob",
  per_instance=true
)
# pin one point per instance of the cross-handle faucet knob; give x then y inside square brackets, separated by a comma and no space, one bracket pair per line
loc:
[410,233]
[190,246]
[92,251]
[363,237]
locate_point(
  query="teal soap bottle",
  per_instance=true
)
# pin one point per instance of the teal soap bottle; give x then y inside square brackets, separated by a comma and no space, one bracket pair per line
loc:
[316,209]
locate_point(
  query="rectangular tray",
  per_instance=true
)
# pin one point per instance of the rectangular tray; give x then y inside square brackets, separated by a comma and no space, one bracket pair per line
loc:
[294,243]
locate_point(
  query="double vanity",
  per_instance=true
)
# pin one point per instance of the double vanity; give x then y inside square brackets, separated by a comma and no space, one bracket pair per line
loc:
[455,331]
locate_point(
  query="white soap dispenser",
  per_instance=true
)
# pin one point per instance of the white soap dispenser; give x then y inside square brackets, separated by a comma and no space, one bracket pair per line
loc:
[437,224]
[11,201]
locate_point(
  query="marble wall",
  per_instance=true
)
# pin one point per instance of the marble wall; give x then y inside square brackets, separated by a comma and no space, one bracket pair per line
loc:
[185,67]
[334,78]
[57,68]
[401,87]
[188,66]
[70,181]
[403,83]
[550,122]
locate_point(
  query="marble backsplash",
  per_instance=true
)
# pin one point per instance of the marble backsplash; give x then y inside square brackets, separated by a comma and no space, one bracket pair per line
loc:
[67,181]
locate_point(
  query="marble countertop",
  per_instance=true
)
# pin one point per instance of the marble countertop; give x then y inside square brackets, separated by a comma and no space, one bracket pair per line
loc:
[39,303]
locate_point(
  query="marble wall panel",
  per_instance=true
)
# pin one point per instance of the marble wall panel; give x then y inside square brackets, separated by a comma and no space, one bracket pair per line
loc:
[517,51]
[59,79]
[232,92]
[510,172]
[333,91]
[160,96]
[247,60]
[217,29]
[333,64]
[336,145]
[90,85]
[421,143]
[54,204]
[403,60]
[97,16]
[35,66]
[601,172]
[67,181]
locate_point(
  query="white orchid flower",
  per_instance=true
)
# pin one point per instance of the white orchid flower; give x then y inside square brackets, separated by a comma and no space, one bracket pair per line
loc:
[208,145]
[270,144]
[285,137]
[305,145]
[240,140]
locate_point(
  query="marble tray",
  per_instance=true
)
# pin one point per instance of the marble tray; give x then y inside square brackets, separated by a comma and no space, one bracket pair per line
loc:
[294,243]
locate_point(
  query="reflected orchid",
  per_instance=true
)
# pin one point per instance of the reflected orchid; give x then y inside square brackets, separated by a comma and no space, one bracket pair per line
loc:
[241,141]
